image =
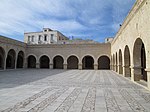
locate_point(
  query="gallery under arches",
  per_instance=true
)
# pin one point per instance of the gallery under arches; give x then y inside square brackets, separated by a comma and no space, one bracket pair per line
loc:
[127,63]
[31,61]
[58,62]
[120,62]
[20,59]
[2,58]
[139,60]
[104,63]
[10,61]
[88,62]
[72,62]
[44,61]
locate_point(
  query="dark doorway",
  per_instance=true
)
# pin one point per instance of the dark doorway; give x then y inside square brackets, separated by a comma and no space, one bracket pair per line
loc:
[139,56]
[20,59]
[72,62]
[88,62]
[143,63]
[104,63]
[10,61]
[58,62]
[44,62]
[2,56]
[127,62]
[31,62]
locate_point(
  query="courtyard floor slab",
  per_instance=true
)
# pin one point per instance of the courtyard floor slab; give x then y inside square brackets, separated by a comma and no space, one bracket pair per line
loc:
[45,90]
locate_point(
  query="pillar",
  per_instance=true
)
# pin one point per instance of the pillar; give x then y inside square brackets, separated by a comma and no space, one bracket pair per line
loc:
[148,77]
[65,66]
[5,62]
[16,61]
[126,71]
[51,65]
[95,66]
[37,65]
[80,66]
[135,73]
[25,65]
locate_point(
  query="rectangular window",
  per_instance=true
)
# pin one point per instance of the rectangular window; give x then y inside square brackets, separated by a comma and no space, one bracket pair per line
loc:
[45,37]
[28,38]
[52,36]
[32,39]
[39,37]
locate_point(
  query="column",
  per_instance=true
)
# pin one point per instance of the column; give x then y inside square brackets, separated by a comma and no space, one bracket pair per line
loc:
[80,66]
[95,66]
[51,65]
[25,65]
[119,69]
[135,73]
[65,66]
[16,62]
[126,71]
[148,77]
[37,65]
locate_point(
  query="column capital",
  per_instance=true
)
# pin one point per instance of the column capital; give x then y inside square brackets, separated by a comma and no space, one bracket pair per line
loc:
[135,67]
[147,69]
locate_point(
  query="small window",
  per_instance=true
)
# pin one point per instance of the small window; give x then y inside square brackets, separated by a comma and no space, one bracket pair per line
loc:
[39,37]
[32,39]
[29,38]
[45,37]
[52,36]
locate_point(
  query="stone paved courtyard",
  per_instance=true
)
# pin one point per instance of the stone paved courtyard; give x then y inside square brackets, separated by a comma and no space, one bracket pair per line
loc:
[70,91]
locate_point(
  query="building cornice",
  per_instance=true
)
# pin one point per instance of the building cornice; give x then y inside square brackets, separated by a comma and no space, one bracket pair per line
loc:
[66,45]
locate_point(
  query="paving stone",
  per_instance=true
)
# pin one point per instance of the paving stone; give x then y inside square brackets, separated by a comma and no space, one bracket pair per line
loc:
[48,90]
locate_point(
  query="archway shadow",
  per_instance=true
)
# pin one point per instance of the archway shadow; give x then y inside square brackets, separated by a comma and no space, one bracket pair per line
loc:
[14,78]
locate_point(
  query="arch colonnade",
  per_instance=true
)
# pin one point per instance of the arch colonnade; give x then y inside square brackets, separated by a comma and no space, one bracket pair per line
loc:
[70,62]
[13,59]
[132,61]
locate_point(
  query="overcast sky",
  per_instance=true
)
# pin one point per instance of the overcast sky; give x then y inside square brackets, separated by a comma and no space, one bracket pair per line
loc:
[87,19]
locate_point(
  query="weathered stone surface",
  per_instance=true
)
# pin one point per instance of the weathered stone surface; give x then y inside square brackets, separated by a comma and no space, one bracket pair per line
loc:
[70,91]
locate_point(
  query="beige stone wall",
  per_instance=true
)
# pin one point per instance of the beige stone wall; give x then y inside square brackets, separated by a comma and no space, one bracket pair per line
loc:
[136,25]
[7,44]
[81,50]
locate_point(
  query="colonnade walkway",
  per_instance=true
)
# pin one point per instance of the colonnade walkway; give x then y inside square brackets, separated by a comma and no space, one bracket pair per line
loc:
[36,90]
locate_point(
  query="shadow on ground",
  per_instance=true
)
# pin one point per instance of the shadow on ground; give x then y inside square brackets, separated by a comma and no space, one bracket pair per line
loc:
[13,78]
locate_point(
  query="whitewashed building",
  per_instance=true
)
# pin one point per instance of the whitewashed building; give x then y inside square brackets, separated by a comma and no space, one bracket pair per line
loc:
[47,36]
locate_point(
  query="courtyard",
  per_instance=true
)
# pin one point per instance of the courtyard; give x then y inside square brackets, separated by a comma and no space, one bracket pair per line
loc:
[36,90]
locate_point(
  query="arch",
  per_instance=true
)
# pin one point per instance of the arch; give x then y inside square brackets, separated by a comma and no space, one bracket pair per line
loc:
[87,62]
[104,63]
[72,62]
[139,60]
[2,58]
[127,63]
[10,61]
[20,59]
[116,62]
[120,62]
[58,62]
[31,61]
[44,61]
